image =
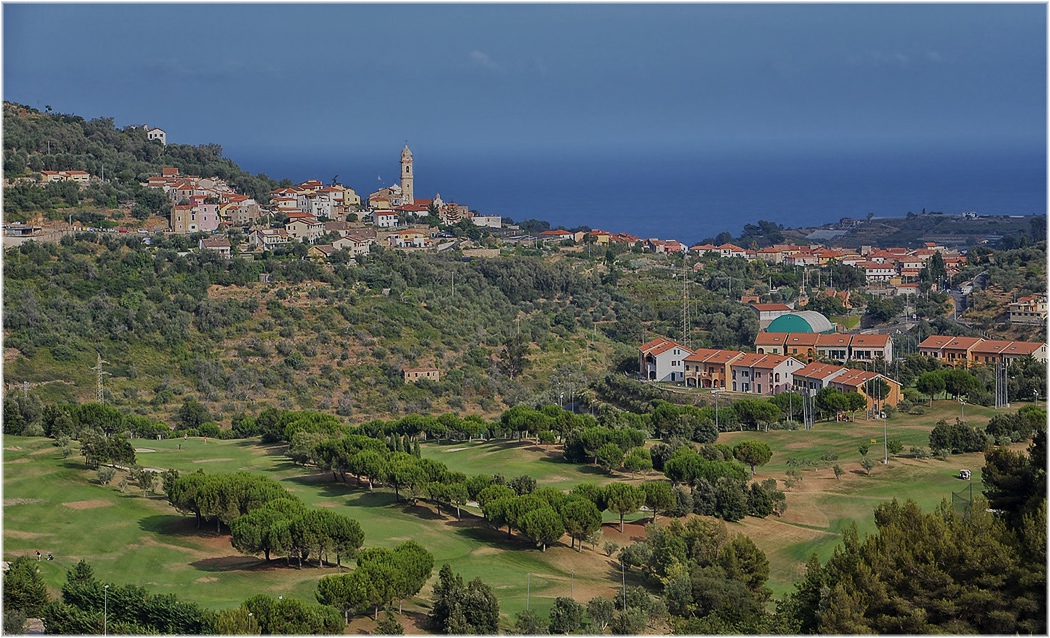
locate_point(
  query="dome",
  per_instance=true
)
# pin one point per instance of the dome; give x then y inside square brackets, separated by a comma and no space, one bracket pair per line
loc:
[805,321]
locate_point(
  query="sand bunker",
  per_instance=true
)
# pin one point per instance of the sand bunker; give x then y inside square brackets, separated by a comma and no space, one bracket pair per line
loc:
[144,449]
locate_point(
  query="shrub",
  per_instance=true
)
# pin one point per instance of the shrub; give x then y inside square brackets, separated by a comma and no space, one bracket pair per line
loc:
[105,475]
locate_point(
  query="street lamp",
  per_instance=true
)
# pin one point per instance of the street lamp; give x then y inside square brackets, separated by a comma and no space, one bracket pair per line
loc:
[105,611]
[249,622]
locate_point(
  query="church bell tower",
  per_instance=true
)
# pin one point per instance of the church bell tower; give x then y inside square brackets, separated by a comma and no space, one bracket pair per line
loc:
[406,177]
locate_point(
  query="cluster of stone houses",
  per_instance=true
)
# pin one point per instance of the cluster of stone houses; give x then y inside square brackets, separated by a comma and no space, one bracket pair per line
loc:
[764,374]
[965,352]
[80,177]
[895,269]
[391,203]
[203,204]
[1030,310]
[306,228]
[313,198]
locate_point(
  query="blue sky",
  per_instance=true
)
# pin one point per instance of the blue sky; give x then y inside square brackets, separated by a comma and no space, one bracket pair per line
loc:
[293,79]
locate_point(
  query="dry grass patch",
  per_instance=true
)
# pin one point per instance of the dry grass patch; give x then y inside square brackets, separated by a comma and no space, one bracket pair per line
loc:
[86,505]
[211,460]
[14,533]
[22,501]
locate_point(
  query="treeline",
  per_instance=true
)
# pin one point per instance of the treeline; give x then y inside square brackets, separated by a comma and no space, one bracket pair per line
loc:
[262,516]
[89,606]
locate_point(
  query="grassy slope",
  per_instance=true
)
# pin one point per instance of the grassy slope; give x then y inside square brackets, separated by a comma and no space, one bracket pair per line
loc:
[129,538]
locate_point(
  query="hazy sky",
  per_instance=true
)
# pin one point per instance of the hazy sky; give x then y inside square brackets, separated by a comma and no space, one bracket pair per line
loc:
[295,79]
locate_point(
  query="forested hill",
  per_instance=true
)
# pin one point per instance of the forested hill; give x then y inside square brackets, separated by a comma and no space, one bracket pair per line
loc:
[35,141]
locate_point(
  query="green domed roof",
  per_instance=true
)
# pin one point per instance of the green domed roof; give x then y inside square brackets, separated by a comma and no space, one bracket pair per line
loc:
[805,321]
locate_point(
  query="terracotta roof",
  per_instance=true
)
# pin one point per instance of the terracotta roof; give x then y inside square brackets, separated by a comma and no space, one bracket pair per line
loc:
[770,338]
[801,339]
[825,341]
[963,343]
[818,370]
[1016,348]
[712,355]
[660,345]
[871,341]
[763,361]
[731,247]
[770,307]
[935,341]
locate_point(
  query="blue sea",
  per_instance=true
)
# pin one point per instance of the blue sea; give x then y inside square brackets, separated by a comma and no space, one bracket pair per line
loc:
[690,196]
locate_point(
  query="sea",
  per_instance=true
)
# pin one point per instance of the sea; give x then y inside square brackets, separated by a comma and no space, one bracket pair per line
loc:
[692,195]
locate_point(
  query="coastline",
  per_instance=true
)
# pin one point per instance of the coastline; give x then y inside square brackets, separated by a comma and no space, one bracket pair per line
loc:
[691,198]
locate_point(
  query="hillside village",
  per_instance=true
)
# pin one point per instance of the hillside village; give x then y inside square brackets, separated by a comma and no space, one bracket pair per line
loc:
[334,225]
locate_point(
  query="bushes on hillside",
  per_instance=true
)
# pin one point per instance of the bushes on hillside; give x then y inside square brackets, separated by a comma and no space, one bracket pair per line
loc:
[957,438]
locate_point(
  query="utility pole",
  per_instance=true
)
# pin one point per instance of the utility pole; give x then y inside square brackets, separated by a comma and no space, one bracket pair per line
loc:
[685,306]
[100,395]
[623,578]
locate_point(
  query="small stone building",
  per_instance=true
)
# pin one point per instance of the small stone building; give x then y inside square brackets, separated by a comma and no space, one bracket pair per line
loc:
[414,374]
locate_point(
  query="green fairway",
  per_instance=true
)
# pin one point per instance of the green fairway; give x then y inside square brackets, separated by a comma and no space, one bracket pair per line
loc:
[821,507]
[55,505]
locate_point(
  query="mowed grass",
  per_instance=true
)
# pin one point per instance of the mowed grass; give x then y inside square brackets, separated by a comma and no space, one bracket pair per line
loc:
[54,505]
[821,507]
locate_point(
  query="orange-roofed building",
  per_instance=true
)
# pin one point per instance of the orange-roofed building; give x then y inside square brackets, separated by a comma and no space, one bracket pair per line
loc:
[868,347]
[801,344]
[770,342]
[814,377]
[767,312]
[834,346]
[709,368]
[662,360]
[990,350]
[862,382]
[766,374]
[954,351]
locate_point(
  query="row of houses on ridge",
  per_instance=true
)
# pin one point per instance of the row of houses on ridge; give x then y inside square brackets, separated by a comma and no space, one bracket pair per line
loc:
[966,352]
[753,373]
[835,346]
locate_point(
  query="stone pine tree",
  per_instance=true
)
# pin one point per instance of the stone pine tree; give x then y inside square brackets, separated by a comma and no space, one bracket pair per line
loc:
[752,453]
[622,498]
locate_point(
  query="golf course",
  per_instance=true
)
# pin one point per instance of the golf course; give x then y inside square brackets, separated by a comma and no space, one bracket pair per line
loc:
[56,505]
